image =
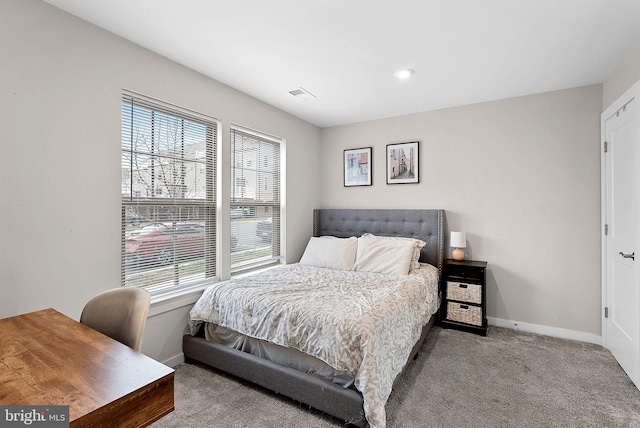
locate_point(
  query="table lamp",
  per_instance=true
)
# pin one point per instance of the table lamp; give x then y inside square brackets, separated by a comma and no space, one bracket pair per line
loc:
[458,241]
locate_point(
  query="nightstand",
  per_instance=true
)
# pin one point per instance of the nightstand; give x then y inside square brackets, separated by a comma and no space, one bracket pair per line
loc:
[464,302]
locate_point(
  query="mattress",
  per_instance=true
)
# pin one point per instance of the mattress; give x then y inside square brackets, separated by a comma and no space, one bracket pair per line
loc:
[360,324]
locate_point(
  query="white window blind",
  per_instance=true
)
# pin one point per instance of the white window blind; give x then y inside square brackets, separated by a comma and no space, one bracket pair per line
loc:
[255,200]
[168,195]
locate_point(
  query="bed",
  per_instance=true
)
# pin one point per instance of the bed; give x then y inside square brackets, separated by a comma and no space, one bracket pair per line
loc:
[329,392]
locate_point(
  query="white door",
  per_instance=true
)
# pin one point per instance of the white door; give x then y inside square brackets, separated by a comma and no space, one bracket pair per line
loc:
[621,253]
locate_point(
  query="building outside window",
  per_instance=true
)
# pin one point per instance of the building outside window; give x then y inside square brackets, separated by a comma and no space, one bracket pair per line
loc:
[255,199]
[168,195]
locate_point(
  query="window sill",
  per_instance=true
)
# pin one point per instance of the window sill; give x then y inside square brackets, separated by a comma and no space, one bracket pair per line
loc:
[249,272]
[166,301]
[169,300]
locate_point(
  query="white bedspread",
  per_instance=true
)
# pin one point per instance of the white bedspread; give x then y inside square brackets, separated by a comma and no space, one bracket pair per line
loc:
[360,322]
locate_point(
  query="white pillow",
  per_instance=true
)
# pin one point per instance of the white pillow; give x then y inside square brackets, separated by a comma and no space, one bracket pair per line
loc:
[418,244]
[331,252]
[384,255]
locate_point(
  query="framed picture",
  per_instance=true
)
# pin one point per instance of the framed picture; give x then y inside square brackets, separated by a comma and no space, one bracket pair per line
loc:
[357,167]
[402,163]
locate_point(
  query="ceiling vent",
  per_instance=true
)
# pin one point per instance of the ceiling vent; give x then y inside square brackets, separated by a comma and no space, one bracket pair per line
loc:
[302,94]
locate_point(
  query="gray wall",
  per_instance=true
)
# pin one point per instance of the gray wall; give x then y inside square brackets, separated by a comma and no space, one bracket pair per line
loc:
[61,81]
[623,77]
[521,176]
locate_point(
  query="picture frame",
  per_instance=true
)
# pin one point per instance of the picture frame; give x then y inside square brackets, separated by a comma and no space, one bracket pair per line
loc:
[357,167]
[403,166]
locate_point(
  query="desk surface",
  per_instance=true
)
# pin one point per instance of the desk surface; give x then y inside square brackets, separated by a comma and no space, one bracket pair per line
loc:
[47,358]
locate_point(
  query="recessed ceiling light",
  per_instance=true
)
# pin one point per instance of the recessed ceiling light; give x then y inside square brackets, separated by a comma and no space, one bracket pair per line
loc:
[404,74]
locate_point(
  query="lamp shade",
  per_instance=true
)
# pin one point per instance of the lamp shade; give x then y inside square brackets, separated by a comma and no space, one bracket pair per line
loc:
[458,240]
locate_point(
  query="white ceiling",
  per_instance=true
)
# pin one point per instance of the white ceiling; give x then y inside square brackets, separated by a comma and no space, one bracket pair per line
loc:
[346,51]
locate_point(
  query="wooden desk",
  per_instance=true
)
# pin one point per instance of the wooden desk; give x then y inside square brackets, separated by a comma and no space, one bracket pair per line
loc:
[47,358]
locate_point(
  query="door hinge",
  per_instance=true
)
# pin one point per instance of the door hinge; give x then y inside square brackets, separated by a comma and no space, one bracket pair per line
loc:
[606,147]
[606,229]
[606,312]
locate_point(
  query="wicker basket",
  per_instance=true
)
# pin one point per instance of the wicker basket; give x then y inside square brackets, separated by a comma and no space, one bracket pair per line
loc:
[464,292]
[467,314]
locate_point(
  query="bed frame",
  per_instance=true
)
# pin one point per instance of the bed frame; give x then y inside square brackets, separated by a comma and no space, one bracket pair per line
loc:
[343,403]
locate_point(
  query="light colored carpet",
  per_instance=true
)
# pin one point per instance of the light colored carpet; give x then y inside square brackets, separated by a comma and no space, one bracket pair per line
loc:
[507,379]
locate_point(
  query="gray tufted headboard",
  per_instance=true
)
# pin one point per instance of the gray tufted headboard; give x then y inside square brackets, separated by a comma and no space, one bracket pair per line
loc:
[427,225]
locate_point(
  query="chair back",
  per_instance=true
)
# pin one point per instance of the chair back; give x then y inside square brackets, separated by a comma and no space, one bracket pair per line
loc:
[120,313]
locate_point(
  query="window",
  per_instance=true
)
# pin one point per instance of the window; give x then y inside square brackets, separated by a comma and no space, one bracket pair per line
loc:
[255,200]
[168,204]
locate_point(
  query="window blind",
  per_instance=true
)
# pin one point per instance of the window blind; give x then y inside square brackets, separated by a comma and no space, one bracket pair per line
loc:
[255,200]
[168,195]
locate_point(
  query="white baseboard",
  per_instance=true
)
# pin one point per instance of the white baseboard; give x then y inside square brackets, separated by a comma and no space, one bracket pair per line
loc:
[174,361]
[562,333]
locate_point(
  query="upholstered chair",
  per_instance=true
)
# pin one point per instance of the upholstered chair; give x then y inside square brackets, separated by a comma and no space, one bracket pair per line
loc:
[120,313]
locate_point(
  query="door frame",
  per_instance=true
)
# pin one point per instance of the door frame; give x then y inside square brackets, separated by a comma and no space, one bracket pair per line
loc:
[629,94]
